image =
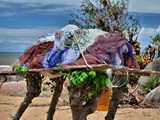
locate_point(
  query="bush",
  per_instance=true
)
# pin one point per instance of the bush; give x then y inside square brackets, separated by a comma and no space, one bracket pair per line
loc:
[152,82]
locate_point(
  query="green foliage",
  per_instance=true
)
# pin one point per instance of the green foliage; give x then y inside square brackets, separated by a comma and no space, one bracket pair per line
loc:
[132,27]
[141,62]
[87,82]
[92,80]
[125,90]
[64,75]
[108,15]
[156,40]
[133,80]
[152,82]
[21,70]
[58,65]
[44,89]
[80,78]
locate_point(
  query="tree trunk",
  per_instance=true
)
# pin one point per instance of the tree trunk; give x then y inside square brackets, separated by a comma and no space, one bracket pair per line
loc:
[56,95]
[117,94]
[76,104]
[77,113]
[33,90]
[80,111]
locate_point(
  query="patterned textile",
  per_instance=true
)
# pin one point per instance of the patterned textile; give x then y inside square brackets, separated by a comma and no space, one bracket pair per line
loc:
[61,47]
[65,49]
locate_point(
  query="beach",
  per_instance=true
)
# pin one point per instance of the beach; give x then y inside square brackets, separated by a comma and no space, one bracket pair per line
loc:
[13,93]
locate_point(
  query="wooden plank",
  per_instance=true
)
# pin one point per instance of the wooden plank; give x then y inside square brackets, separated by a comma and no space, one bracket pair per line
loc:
[97,67]
[100,67]
[4,73]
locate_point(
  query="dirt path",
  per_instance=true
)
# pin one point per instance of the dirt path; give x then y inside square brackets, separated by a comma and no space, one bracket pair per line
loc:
[37,110]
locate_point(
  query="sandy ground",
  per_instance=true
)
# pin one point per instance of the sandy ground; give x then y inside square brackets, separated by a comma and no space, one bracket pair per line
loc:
[12,94]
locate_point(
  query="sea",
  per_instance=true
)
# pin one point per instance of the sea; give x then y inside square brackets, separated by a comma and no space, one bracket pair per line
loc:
[8,59]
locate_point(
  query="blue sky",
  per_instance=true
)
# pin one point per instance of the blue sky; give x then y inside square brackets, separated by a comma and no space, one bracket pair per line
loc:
[23,21]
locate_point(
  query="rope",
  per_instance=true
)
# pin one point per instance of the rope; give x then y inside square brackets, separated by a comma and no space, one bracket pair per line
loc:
[76,40]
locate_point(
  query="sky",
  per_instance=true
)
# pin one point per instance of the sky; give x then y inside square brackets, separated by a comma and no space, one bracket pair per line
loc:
[22,22]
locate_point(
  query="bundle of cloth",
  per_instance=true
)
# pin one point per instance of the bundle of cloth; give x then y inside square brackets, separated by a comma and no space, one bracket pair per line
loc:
[66,46]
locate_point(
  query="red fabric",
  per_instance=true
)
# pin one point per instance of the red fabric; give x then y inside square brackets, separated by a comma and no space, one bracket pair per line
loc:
[131,63]
[90,60]
[34,54]
[36,62]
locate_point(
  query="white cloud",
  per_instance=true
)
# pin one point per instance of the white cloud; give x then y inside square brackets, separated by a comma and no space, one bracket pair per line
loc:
[54,10]
[26,31]
[150,31]
[145,6]
[4,5]
[23,35]
[9,9]
[145,36]
[8,14]
[20,41]
[158,30]
[67,2]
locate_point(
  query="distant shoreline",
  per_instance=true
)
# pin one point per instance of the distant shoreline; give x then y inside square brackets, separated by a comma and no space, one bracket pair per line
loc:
[8,58]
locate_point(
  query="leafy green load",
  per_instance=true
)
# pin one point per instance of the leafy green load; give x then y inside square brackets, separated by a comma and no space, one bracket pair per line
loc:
[93,81]
[20,70]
